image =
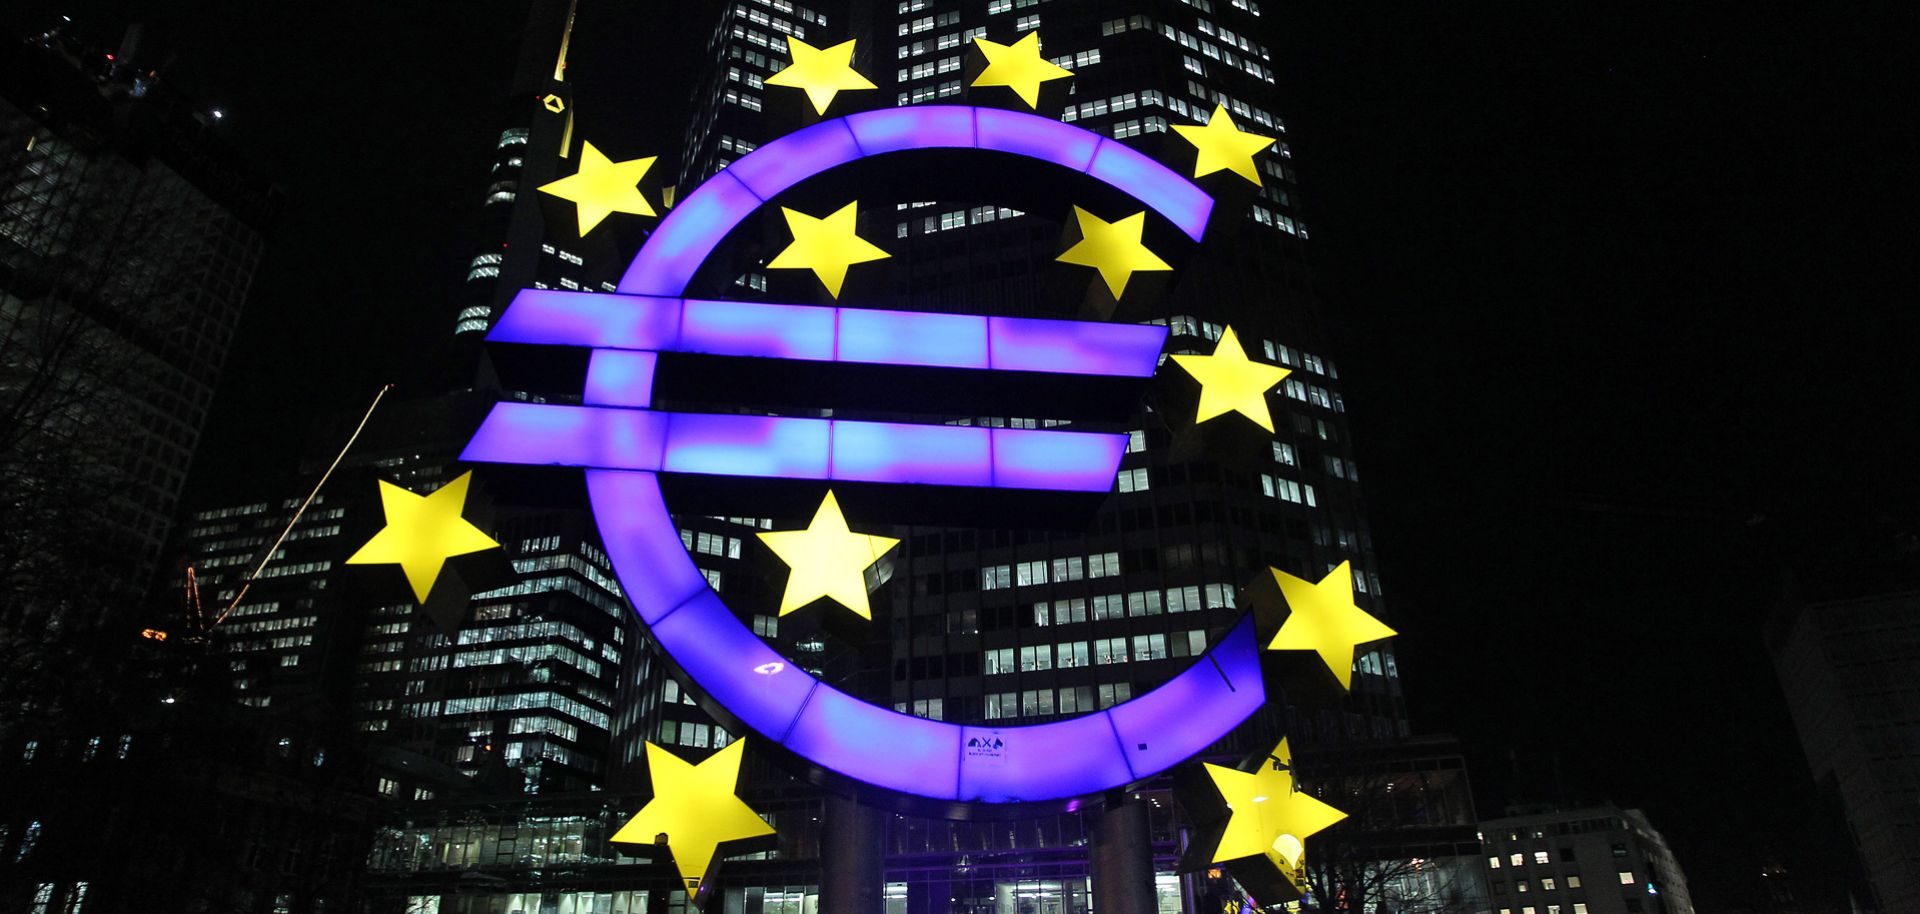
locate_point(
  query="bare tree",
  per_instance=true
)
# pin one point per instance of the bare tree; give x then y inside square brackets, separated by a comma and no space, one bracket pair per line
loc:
[97,287]
[1407,846]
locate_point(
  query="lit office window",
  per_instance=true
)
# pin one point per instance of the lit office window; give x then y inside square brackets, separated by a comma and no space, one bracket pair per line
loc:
[1036,701]
[1036,657]
[1069,569]
[1002,704]
[1073,654]
[1076,700]
[997,661]
[1149,647]
[1103,565]
[1073,610]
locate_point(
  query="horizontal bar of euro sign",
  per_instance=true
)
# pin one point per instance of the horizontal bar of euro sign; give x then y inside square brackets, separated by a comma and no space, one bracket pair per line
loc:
[779,447]
[853,335]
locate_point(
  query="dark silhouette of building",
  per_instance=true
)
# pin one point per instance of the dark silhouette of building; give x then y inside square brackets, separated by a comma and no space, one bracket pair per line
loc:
[129,234]
[1849,669]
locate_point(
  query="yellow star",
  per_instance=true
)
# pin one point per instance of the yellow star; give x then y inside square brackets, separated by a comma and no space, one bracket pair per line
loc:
[827,560]
[1269,817]
[822,73]
[1224,147]
[1232,383]
[602,187]
[1113,248]
[1019,67]
[826,246]
[422,532]
[1323,618]
[695,807]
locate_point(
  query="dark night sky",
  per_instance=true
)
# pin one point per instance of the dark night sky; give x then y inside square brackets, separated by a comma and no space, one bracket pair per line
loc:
[1623,296]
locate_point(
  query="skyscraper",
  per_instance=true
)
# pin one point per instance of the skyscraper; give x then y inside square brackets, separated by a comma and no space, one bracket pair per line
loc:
[1848,668]
[129,233]
[513,689]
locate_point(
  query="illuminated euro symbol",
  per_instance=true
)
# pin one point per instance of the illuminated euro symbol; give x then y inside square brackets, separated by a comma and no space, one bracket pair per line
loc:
[627,446]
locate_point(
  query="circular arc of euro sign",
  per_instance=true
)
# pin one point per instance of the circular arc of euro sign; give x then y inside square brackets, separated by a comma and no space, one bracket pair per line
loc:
[622,444]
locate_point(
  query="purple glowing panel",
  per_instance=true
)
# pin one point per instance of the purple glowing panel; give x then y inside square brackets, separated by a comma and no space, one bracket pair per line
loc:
[880,747]
[1237,656]
[1075,347]
[919,127]
[556,318]
[912,338]
[795,157]
[1156,730]
[764,446]
[1035,137]
[753,329]
[924,454]
[617,377]
[537,433]
[793,448]
[1181,201]
[1062,461]
[733,665]
[668,261]
[734,328]
[643,543]
[691,230]
[894,751]
[1044,762]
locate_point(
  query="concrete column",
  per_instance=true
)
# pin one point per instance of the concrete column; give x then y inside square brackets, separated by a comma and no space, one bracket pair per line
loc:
[929,893]
[853,858]
[1120,855]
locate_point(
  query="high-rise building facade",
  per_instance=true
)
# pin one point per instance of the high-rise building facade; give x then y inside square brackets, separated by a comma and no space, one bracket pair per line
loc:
[129,234]
[1848,669]
[489,722]
[1593,860]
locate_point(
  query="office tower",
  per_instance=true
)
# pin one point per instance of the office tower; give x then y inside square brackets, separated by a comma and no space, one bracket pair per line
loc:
[1848,668]
[129,234]
[487,722]
[513,248]
[1593,860]
[517,692]
[514,689]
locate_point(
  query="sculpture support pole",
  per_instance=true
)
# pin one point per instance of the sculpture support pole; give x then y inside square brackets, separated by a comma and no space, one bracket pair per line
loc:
[853,858]
[1121,857]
